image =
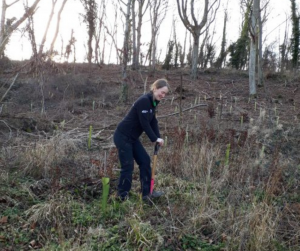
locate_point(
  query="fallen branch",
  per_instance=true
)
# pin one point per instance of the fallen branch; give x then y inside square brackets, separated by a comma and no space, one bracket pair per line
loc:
[9,87]
[175,113]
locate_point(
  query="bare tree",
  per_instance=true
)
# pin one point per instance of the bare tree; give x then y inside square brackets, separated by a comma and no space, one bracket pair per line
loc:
[69,46]
[11,25]
[90,17]
[284,49]
[31,33]
[112,33]
[210,51]
[253,30]
[177,45]
[195,27]
[9,22]
[158,10]
[134,49]
[98,32]
[201,58]
[57,27]
[136,30]
[125,50]
[295,40]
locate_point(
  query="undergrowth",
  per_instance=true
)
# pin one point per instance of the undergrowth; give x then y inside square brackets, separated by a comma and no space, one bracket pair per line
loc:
[221,193]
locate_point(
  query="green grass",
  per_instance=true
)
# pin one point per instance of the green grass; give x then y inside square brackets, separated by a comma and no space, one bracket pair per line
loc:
[189,242]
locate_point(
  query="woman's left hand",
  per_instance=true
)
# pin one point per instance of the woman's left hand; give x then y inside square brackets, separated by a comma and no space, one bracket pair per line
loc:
[160,141]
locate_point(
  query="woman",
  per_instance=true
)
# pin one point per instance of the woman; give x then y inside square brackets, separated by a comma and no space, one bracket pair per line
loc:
[141,118]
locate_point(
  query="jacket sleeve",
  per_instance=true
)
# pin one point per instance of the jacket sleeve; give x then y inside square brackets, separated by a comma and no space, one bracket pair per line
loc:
[142,108]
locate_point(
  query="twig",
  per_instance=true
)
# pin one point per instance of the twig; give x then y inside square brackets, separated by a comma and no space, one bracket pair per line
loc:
[9,87]
[10,132]
[175,113]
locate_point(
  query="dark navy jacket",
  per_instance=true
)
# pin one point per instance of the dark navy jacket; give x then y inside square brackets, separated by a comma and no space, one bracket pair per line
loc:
[141,118]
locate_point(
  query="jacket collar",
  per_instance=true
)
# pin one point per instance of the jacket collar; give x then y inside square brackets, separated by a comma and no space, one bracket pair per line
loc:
[154,102]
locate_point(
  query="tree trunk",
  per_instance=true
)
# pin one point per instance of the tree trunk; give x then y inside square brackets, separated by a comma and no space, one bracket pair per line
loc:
[90,17]
[141,13]
[124,94]
[2,23]
[259,61]
[134,47]
[126,41]
[153,50]
[252,75]
[138,32]
[254,28]
[195,56]
[90,39]
[295,40]
[153,17]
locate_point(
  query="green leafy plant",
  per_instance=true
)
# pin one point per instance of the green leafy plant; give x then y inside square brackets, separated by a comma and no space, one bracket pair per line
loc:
[190,242]
[84,215]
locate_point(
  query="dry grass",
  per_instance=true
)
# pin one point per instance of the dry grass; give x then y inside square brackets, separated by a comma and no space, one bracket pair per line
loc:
[239,203]
[41,157]
[54,215]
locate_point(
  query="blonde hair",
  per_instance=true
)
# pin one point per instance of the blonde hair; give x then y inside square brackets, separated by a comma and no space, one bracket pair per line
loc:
[159,83]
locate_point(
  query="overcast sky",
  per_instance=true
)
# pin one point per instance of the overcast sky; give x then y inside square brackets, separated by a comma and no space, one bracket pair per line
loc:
[19,47]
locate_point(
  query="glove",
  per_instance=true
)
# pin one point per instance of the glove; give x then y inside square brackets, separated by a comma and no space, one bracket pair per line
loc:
[160,141]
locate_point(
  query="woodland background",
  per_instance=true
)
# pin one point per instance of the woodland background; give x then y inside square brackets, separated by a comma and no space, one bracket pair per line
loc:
[230,167]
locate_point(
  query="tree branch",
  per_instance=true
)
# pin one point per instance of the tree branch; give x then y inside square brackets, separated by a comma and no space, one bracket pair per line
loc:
[9,87]
[193,12]
[8,5]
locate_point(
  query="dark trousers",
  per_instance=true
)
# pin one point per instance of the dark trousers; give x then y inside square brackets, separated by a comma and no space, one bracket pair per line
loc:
[130,150]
